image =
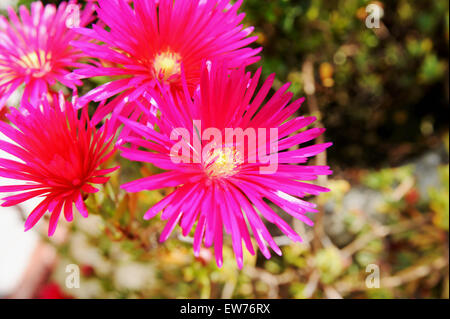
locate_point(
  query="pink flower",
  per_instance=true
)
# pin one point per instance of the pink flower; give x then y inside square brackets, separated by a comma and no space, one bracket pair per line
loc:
[58,158]
[52,290]
[224,187]
[155,40]
[35,49]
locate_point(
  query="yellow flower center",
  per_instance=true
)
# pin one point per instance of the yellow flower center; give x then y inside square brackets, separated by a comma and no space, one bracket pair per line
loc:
[37,63]
[167,64]
[222,162]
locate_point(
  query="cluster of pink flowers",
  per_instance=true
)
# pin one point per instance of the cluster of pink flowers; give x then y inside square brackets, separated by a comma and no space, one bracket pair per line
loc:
[172,67]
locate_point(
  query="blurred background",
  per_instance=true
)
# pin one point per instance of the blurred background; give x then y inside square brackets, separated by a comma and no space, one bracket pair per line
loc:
[383,95]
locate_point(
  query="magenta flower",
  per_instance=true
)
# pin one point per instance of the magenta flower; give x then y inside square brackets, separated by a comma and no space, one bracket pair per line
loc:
[58,158]
[35,49]
[221,185]
[154,40]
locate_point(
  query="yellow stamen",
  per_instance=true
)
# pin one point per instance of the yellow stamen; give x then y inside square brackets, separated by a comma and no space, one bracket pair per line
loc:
[222,162]
[167,64]
[38,63]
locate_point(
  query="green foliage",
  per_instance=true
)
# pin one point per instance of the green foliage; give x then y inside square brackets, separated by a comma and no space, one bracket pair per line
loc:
[439,200]
[382,80]
[328,262]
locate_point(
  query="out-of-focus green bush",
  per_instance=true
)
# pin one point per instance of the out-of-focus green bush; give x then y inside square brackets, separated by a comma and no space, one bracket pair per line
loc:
[382,93]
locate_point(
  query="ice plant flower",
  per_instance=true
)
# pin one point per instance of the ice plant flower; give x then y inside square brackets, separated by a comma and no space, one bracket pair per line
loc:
[225,188]
[152,41]
[35,48]
[58,159]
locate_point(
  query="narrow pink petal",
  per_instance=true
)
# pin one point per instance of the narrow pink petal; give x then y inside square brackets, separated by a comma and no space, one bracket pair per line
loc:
[36,214]
[68,210]
[173,220]
[79,203]
[89,189]
[54,218]
[198,236]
